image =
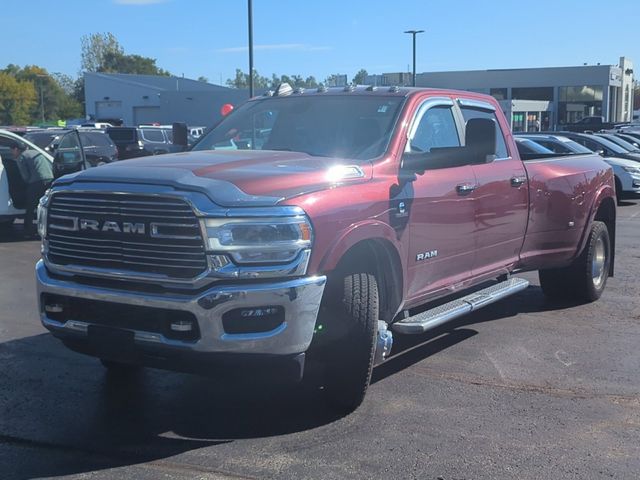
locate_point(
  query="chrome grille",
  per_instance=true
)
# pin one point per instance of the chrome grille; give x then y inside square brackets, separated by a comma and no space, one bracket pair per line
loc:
[166,239]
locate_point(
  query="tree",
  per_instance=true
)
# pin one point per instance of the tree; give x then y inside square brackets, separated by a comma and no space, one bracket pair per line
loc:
[54,99]
[360,78]
[95,47]
[241,80]
[116,62]
[203,79]
[17,99]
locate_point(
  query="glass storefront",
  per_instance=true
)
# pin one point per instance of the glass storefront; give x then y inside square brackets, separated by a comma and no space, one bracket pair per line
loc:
[579,101]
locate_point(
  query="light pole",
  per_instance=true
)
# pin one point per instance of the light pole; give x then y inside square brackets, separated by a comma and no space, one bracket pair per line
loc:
[41,76]
[250,15]
[413,34]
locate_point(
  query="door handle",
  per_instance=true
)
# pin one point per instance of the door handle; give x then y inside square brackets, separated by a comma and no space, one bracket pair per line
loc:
[465,188]
[517,181]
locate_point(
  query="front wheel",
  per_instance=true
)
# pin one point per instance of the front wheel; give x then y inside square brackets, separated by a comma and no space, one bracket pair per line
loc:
[586,278]
[350,363]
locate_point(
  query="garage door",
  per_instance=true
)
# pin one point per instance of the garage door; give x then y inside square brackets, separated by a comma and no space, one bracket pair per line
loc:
[110,109]
[146,115]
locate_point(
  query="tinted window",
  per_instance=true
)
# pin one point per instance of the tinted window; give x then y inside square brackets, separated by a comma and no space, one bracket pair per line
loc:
[600,144]
[436,129]
[152,135]
[469,113]
[529,146]
[169,134]
[122,135]
[554,146]
[99,139]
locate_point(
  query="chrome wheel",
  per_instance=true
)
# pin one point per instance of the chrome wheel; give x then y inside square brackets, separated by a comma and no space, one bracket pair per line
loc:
[598,263]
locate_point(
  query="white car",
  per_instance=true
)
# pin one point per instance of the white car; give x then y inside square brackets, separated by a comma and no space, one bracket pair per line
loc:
[8,211]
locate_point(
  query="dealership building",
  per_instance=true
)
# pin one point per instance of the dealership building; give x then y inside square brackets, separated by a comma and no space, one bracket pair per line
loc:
[140,99]
[540,98]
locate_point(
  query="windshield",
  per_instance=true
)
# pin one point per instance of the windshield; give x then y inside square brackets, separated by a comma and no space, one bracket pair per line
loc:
[623,143]
[529,146]
[354,127]
[614,147]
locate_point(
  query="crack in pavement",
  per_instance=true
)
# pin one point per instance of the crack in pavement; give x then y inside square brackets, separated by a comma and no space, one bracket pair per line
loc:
[633,400]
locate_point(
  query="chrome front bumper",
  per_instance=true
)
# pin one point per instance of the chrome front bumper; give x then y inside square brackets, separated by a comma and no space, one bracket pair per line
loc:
[299,297]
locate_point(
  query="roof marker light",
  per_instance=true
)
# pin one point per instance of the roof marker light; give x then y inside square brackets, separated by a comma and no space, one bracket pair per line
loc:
[283,90]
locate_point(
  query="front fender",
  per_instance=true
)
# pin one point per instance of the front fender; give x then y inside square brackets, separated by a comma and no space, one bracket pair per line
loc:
[356,233]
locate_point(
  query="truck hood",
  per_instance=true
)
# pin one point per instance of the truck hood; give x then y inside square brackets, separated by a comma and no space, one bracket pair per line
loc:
[232,178]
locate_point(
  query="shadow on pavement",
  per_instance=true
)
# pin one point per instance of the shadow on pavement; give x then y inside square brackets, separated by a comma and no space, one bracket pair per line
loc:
[59,400]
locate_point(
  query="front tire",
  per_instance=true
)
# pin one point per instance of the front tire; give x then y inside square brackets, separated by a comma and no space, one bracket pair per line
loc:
[586,278]
[350,361]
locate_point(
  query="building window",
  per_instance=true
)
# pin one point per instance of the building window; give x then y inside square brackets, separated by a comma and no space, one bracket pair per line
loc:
[577,102]
[532,93]
[498,93]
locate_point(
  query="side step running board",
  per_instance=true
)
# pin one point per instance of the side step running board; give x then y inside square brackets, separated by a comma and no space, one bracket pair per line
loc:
[437,316]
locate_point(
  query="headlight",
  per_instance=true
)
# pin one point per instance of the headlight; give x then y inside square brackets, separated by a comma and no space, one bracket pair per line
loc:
[259,240]
[42,215]
[635,170]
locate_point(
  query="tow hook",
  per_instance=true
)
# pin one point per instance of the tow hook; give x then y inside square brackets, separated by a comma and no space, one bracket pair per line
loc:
[384,342]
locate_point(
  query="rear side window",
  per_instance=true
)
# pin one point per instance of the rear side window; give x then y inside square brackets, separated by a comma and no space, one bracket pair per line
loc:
[468,113]
[99,139]
[122,135]
[152,135]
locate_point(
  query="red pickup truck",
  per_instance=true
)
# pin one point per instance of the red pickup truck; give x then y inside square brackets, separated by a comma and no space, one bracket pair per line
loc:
[309,225]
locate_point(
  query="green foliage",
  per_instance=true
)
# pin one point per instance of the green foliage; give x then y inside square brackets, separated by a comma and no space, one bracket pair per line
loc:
[17,98]
[241,80]
[115,62]
[52,94]
[95,47]
[360,78]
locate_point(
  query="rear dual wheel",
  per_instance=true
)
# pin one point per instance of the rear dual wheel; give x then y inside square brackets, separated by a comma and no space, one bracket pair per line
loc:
[586,278]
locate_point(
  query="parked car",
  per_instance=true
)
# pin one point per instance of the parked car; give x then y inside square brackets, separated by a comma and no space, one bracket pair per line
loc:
[530,149]
[359,206]
[591,123]
[626,172]
[135,142]
[12,186]
[98,146]
[629,147]
[46,138]
[630,139]
[600,145]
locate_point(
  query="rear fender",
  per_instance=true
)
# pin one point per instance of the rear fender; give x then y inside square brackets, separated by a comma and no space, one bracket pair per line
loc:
[604,192]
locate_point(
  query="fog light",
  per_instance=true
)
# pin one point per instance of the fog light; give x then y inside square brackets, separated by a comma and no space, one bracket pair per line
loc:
[54,308]
[181,326]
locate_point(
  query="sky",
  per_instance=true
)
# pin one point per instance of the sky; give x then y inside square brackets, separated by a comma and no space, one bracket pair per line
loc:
[209,37]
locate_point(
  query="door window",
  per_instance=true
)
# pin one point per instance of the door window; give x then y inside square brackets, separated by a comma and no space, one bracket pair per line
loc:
[437,129]
[468,113]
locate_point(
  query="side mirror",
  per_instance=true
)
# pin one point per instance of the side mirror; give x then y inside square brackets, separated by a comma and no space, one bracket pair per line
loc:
[180,134]
[480,139]
[600,152]
[414,163]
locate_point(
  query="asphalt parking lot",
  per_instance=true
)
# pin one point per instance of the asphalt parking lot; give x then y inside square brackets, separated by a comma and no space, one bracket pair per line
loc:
[523,389]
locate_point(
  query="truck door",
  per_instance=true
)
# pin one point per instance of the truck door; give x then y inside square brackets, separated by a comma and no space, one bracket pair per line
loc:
[501,199]
[438,202]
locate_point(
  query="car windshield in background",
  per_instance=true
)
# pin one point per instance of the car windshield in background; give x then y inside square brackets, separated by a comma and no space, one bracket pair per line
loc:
[42,139]
[529,146]
[614,147]
[355,127]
